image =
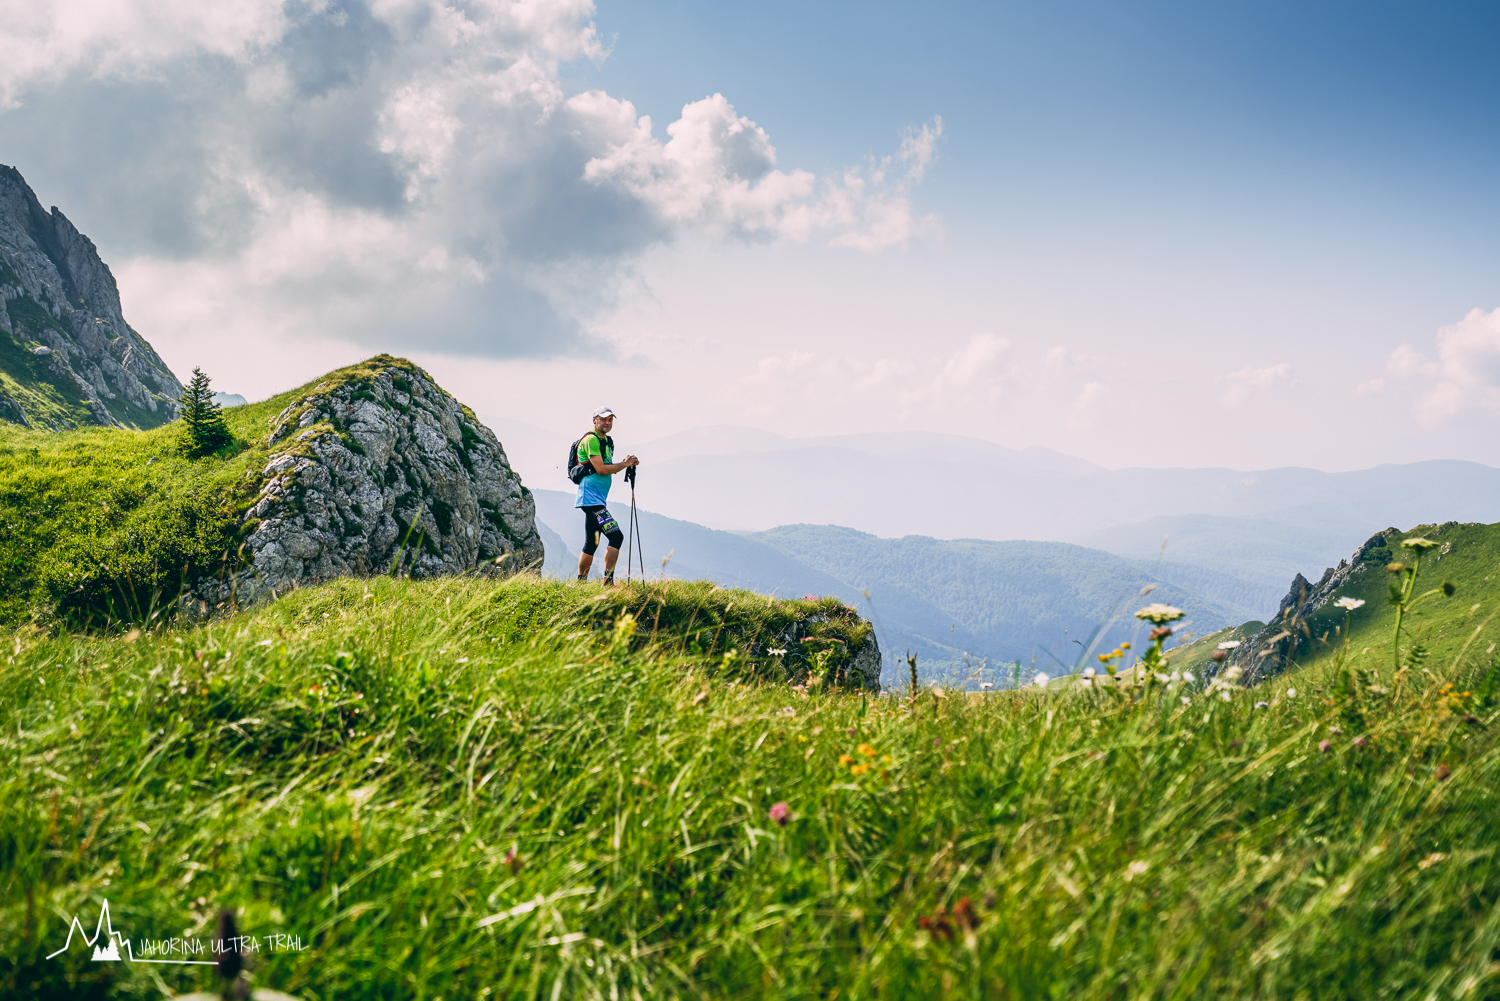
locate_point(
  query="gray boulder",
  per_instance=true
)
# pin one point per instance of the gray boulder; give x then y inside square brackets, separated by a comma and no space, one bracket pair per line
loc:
[378,469]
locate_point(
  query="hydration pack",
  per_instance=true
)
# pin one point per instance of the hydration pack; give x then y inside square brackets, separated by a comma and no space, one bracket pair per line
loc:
[578,470]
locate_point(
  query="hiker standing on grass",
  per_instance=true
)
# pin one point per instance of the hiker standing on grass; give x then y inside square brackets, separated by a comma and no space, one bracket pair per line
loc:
[596,451]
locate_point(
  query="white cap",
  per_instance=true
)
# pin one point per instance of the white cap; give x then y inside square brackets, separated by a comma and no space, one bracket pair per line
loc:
[604,412]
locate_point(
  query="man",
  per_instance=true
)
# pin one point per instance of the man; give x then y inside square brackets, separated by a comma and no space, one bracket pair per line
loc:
[597,449]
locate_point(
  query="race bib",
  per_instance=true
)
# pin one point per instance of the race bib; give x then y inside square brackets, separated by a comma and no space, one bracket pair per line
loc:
[607,523]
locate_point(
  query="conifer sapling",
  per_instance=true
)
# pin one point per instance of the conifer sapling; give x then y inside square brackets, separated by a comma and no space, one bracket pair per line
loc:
[204,431]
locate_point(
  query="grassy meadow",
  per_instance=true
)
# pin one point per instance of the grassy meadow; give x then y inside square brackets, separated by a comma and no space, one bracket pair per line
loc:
[468,789]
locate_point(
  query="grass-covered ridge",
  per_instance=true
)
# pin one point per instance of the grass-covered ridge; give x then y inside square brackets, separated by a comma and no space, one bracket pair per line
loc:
[465,789]
[95,521]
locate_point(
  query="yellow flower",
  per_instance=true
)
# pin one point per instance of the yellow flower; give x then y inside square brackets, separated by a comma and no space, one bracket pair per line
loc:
[844,759]
[887,759]
[860,768]
[866,750]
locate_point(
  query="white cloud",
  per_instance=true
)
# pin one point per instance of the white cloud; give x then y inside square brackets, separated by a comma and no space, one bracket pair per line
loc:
[1372,388]
[1084,410]
[405,173]
[1464,376]
[1250,381]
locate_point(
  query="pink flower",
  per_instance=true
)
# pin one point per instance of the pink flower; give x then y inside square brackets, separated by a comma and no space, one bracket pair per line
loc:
[780,814]
[1323,746]
[1360,742]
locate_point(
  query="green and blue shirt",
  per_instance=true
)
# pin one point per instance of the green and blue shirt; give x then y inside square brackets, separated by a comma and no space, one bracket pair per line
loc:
[593,488]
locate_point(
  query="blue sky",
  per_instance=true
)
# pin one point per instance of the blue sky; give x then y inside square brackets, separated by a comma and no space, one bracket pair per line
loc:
[1147,233]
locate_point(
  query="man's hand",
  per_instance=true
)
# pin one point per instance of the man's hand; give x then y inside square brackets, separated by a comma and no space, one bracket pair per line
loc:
[609,469]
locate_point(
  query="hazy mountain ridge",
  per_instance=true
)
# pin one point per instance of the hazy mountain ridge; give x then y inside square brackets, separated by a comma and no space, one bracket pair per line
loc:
[941,599]
[67,356]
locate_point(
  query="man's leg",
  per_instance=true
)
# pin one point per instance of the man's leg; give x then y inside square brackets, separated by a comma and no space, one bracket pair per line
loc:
[610,556]
[590,541]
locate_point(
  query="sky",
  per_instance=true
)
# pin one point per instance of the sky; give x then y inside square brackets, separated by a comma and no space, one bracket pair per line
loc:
[1146,234]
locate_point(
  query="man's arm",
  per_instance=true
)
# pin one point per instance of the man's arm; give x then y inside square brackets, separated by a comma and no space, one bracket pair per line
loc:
[611,468]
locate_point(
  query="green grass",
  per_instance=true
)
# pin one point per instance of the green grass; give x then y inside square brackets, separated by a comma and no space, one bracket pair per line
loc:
[1438,630]
[465,789]
[102,524]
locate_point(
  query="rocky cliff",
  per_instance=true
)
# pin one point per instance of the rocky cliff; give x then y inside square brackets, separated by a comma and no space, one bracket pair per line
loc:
[1270,651]
[377,468]
[67,356]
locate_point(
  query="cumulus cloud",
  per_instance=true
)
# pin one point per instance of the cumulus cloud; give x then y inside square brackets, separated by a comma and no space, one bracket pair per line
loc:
[395,172]
[1249,381]
[1465,375]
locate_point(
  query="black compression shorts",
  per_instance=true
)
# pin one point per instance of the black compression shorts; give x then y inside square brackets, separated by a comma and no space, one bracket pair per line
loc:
[598,521]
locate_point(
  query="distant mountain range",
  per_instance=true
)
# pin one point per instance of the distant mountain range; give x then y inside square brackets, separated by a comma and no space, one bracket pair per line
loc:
[953,486]
[966,608]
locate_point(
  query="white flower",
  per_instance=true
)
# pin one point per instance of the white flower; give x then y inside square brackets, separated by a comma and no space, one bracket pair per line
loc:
[1088,672]
[1188,677]
[775,653]
[1163,678]
[1419,544]
[1041,679]
[1186,700]
[1350,603]
[1262,705]
[788,711]
[1225,694]
[1160,614]
[985,684]
[1233,673]
[1135,869]
[1291,693]
[1229,644]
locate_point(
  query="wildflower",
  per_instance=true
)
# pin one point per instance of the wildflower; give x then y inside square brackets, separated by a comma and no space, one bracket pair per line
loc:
[513,861]
[1443,773]
[1124,646]
[1229,644]
[1217,655]
[860,768]
[1360,742]
[1396,567]
[1262,705]
[1041,679]
[1323,746]
[1188,677]
[787,711]
[1163,678]
[866,750]
[845,759]
[1233,673]
[1419,544]
[1160,614]
[1161,633]
[985,684]
[1225,694]
[780,813]
[1335,730]
[1135,869]
[1291,693]
[1186,700]
[776,653]
[1088,672]
[1350,604]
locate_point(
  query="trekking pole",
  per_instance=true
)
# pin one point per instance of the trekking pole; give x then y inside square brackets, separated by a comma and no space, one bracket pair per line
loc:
[630,541]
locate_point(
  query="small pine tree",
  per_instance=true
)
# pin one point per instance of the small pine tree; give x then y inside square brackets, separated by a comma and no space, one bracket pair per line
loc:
[203,429]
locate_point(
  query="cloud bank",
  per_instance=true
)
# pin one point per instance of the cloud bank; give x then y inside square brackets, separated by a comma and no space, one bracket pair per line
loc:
[395,172]
[1464,376]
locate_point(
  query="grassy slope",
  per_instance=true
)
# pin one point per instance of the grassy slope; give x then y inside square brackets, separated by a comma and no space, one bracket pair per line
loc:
[356,767]
[1442,627]
[96,519]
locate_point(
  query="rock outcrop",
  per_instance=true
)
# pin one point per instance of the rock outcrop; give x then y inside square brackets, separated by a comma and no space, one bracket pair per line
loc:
[1270,651]
[56,294]
[378,469]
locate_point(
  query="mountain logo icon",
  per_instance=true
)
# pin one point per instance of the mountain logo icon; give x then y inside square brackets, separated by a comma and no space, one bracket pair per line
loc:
[108,943]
